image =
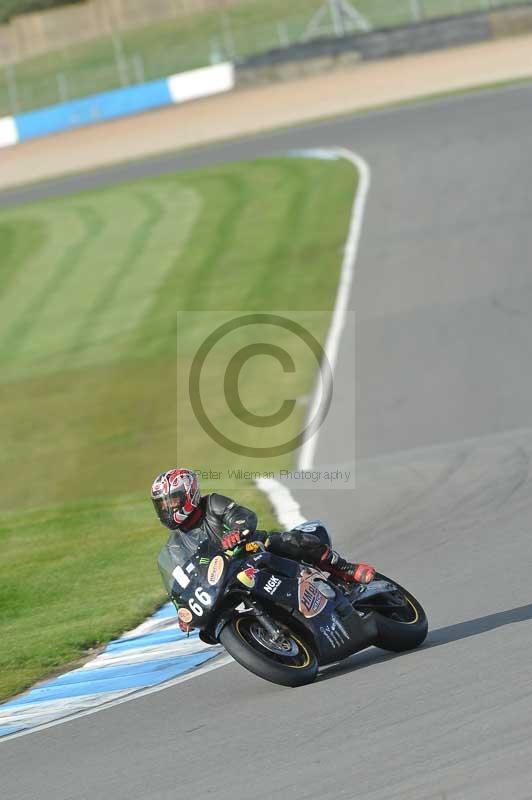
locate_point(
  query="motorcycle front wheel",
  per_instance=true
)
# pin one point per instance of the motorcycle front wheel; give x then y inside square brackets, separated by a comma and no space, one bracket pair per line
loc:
[287,660]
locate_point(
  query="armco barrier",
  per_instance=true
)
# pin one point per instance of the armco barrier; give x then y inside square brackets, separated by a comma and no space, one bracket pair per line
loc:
[423,36]
[118,103]
[386,43]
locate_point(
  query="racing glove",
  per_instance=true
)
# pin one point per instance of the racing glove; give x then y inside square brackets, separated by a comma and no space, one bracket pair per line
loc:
[233,538]
[364,573]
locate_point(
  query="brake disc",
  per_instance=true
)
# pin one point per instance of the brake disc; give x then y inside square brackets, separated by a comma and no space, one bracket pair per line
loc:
[284,646]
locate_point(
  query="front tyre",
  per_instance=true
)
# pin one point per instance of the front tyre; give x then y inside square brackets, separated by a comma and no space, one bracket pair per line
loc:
[287,661]
[402,627]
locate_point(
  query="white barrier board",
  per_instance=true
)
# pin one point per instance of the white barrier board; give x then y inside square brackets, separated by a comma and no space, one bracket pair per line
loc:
[8,132]
[201,82]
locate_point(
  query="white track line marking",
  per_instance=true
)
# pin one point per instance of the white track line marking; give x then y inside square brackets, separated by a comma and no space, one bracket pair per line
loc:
[332,343]
[286,508]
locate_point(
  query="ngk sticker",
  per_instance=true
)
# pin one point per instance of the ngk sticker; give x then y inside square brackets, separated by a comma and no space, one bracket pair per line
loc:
[272,585]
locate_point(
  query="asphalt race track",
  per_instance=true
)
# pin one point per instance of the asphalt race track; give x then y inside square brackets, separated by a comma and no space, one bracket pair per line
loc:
[443,300]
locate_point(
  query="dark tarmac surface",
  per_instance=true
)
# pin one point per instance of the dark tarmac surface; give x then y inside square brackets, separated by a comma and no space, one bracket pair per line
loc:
[443,301]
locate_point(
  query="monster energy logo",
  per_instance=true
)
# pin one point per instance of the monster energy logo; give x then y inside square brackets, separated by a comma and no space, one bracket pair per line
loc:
[205,561]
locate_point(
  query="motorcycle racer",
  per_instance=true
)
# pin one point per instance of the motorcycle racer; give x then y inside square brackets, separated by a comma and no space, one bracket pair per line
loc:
[182,509]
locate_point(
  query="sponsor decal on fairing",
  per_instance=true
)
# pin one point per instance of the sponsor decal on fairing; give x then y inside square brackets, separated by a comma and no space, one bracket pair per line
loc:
[272,585]
[335,633]
[184,615]
[184,618]
[311,600]
[247,577]
[216,568]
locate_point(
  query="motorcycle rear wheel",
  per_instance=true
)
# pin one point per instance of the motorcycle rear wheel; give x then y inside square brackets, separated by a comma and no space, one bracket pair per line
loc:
[290,662]
[401,631]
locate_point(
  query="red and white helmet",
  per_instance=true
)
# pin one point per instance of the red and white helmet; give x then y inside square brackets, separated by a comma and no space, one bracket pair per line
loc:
[175,495]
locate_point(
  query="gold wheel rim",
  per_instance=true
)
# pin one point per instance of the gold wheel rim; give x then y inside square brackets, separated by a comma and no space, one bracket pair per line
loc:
[303,647]
[416,612]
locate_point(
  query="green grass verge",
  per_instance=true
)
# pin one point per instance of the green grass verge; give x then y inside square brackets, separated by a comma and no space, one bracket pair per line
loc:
[185,43]
[89,289]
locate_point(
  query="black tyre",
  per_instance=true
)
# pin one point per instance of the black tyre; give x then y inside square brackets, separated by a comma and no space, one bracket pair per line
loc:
[402,627]
[288,662]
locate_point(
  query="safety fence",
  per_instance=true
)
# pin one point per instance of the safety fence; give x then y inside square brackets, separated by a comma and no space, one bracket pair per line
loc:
[181,87]
[123,58]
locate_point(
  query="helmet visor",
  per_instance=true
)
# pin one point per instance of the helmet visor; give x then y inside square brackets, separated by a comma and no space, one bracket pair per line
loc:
[170,509]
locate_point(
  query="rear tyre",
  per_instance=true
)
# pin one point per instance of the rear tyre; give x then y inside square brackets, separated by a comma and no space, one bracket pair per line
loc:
[402,628]
[289,662]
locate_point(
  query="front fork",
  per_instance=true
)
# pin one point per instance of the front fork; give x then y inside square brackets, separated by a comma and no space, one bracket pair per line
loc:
[273,630]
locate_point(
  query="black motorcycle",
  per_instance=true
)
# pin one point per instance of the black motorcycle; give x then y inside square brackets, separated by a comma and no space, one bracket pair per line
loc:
[282,619]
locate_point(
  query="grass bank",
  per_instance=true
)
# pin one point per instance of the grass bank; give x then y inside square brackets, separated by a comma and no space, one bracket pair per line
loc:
[89,289]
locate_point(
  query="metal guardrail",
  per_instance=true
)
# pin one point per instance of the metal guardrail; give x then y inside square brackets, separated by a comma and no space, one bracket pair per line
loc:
[422,36]
[418,37]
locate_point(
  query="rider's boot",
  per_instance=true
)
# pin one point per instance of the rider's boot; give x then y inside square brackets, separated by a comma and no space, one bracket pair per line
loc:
[332,562]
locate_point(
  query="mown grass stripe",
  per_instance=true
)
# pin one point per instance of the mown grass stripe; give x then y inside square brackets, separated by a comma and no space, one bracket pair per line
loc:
[93,224]
[165,263]
[189,284]
[18,245]
[77,294]
[272,273]
[61,229]
[109,288]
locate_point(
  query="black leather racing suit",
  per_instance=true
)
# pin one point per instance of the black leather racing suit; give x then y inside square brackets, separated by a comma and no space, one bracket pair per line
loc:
[221,515]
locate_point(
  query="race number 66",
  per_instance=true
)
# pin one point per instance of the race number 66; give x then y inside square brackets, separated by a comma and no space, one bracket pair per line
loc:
[200,599]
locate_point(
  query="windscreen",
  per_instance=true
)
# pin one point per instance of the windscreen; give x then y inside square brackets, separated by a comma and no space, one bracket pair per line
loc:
[178,551]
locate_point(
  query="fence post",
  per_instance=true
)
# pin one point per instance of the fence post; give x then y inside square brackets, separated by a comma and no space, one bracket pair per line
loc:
[282,33]
[216,55]
[12,90]
[416,10]
[62,86]
[337,18]
[120,59]
[227,35]
[138,68]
